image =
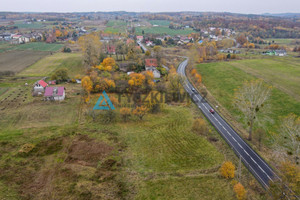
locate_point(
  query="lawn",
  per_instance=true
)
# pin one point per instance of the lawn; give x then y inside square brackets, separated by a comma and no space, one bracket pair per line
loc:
[160,22]
[45,66]
[222,78]
[16,61]
[163,30]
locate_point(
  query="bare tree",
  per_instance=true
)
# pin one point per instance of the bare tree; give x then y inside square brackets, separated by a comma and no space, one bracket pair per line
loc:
[250,98]
[290,130]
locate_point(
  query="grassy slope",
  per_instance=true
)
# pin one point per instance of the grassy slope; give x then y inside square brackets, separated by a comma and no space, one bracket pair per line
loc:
[223,77]
[45,66]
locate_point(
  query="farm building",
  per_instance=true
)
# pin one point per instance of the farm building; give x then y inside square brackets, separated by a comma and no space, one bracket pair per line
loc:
[55,93]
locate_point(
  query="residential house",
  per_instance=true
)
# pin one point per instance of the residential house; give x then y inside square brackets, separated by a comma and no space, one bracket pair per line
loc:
[139,38]
[39,87]
[280,52]
[151,65]
[55,93]
[110,49]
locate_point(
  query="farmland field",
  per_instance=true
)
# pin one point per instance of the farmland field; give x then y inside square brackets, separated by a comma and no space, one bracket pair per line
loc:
[45,66]
[222,78]
[18,60]
[160,22]
[163,30]
[35,25]
[35,46]
[116,23]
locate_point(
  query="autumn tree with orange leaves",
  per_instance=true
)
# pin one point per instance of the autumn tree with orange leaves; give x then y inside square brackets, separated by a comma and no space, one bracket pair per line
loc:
[240,191]
[87,85]
[227,170]
[91,47]
[136,80]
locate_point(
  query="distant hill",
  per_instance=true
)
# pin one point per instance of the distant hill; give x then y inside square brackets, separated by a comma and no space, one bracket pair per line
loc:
[282,14]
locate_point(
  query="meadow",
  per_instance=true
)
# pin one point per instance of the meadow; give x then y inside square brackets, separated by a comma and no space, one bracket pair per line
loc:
[160,22]
[163,30]
[34,46]
[221,78]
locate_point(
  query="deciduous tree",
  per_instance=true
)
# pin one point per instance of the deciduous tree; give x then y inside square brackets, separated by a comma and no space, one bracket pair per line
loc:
[251,98]
[290,134]
[227,170]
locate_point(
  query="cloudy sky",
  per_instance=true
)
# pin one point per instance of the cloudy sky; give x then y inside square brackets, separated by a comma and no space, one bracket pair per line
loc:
[236,6]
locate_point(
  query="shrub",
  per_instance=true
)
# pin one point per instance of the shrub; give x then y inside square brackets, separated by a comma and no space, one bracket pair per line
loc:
[125,114]
[227,170]
[239,191]
[140,112]
[109,116]
[200,126]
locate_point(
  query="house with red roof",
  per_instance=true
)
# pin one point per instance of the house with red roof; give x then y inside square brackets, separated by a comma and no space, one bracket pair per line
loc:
[139,38]
[151,65]
[111,49]
[55,93]
[39,87]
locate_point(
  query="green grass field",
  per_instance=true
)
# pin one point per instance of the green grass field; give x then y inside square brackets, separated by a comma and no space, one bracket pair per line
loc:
[222,78]
[160,22]
[166,144]
[163,30]
[35,25]
[45,66]
[38,46]
[115,30]
[192,188]
[116,23]
[35,46]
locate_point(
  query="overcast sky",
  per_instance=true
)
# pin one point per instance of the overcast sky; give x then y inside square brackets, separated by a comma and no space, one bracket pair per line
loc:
[235,6]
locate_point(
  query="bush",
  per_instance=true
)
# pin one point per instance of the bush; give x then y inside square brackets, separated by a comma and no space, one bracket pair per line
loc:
[239,191]
[125,114]
[108,116]
[67,50]
[200,126]
[227,170]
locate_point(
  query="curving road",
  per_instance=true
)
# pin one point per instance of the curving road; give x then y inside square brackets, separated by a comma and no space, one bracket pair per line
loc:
[255,164]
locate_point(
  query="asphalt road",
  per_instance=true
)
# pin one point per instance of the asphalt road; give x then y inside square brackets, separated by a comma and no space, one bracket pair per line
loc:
[142,46]
[255,164]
